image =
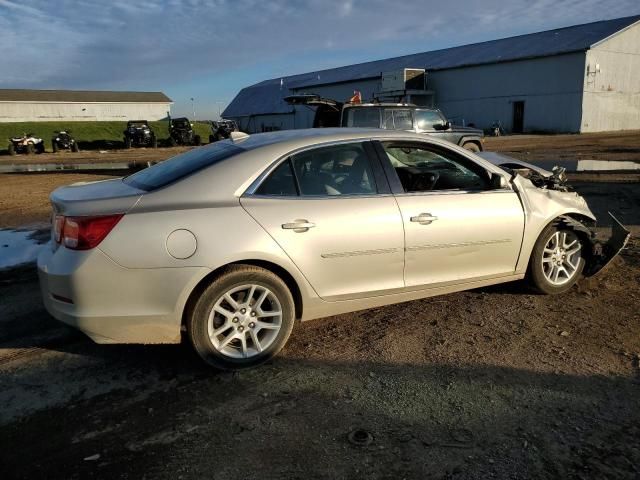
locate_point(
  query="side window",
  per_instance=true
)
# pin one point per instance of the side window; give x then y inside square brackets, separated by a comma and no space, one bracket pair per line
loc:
[280,182]
[397,119]
[335,170]
[427,119]
[423,169]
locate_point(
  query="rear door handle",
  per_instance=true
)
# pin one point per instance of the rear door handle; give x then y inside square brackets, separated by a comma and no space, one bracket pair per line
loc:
[299,225]
[424,218]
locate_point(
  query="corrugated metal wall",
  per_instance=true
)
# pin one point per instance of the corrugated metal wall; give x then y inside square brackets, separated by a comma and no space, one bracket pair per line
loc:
[49,112]
[612,94]
[551,88]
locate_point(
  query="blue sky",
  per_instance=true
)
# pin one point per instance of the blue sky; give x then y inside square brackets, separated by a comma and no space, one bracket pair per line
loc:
[210,49]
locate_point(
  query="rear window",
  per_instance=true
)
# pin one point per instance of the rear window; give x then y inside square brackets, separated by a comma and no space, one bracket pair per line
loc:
[180,166]
[367,117]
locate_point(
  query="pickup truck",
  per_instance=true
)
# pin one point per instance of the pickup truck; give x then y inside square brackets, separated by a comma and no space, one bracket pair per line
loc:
[389,116]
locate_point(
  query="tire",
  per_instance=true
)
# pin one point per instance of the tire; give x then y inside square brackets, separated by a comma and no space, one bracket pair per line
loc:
[28,149]
[39,148]
[543,263]
[471,146]
[11,149]
[127,143]
[54,146]
[75,148]
[237,324]
[212,139]
[172,142]
[197,140]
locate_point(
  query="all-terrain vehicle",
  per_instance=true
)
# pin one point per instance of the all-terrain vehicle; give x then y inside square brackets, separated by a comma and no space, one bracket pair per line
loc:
[64,141]
[181,132]
[390,116]
[27,144]
[221,130]
[139,134]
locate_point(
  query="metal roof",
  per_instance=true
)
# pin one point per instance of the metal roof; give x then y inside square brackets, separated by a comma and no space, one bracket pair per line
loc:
[81,96]
[266,97]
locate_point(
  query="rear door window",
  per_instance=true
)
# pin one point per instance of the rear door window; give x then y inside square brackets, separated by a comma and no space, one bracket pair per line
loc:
[280,182]
[335,170]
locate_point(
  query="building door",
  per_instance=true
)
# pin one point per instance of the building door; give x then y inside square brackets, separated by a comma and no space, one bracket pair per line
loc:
[518,117]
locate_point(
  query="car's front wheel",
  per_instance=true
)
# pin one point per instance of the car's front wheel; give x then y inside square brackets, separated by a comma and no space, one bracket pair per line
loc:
[557,260]
[242,319]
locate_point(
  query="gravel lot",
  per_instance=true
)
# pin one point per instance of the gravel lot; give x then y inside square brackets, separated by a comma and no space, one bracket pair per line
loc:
[492,383]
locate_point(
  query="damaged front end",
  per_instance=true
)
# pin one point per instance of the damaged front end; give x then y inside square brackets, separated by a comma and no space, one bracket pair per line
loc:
[600,255]
[546,196]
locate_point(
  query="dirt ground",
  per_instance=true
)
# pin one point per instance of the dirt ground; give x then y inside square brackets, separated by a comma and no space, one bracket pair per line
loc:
[141,155]
[492,383]
[621,146]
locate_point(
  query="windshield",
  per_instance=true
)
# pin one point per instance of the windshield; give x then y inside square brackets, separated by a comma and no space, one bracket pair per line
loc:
[429,119]
[180,166]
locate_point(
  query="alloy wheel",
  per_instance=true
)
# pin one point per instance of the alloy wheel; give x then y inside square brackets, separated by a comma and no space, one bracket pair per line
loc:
[561,257]
[245,321]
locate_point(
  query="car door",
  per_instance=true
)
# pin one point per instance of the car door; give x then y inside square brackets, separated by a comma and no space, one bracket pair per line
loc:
[457,227]
[330,209]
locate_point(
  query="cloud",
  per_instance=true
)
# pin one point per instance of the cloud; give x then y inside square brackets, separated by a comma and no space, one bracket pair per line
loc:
[162,44]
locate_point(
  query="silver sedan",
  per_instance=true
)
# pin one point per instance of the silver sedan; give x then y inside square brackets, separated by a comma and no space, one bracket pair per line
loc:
[231,244]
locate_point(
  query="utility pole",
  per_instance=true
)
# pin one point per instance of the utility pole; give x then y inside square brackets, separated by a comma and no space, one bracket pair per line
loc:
[219,109]
[193,107]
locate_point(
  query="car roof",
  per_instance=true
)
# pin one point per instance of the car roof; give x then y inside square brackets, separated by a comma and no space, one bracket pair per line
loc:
[291,139]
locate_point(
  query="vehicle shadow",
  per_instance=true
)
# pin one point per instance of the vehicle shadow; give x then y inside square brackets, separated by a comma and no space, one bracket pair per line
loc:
[306,418]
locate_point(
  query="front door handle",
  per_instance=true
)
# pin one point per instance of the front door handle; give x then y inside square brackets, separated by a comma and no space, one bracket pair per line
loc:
[424,218]
[299,225]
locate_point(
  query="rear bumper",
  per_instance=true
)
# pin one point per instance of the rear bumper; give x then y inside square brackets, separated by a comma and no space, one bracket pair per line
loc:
[113,304]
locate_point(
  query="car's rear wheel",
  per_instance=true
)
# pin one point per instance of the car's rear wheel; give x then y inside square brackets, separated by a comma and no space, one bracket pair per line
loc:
[471,146]
[557,260]
[242,319]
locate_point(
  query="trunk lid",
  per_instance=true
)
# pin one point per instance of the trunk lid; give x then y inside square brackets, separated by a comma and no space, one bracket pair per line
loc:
[95,198]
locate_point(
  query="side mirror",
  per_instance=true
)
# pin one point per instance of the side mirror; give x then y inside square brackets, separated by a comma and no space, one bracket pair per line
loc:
[498,182]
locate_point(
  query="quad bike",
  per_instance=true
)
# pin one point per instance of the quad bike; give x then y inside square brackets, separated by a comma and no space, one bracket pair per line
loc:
[139,134]
[26,144]
[222,129]
[64,141]
[181,132]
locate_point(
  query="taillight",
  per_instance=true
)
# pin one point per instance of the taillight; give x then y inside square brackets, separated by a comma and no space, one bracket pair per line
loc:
[58,224]
[83,233]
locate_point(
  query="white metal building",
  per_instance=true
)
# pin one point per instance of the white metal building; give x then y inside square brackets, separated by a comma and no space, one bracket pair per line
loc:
[584,78]
[74,105]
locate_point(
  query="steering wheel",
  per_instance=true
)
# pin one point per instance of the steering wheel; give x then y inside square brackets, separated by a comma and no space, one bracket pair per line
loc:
[426,181]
